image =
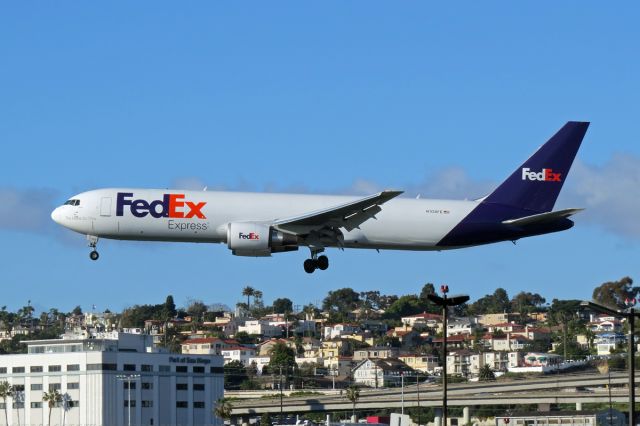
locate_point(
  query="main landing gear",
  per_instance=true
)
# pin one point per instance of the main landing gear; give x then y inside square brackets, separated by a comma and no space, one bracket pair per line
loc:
[316,262]
[93,242]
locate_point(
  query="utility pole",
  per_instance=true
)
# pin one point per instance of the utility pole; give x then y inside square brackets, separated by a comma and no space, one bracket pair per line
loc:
[445,302]
[630,315]
[281,411]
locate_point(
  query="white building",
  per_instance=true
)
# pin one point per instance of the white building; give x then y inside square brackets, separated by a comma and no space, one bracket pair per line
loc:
[260,328]
[337,330]
[238,353]
[162,389]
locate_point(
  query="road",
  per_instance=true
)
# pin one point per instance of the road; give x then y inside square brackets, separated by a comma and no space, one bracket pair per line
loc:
[552,390]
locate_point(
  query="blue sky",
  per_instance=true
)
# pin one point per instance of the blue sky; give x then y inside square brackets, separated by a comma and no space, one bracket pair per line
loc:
[444,100]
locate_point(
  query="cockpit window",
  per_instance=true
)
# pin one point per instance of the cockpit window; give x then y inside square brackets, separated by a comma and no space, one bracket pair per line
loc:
[72,203]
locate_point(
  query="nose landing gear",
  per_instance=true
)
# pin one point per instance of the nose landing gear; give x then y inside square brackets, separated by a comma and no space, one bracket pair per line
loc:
[93,242]
[316,262]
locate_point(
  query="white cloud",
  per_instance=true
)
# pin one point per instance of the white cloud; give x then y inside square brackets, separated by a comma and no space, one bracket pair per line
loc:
[610,193]
[26,209]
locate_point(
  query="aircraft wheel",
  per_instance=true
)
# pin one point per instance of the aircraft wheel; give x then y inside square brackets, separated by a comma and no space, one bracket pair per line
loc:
[309,266]
[322,262]
[94,255]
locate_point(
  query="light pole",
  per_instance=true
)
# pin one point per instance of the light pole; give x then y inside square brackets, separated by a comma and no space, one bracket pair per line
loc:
[630,315]
[402,386]
[445,302]
[128,378]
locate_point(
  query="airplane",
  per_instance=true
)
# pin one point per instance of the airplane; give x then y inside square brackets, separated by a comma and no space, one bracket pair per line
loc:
[261,224]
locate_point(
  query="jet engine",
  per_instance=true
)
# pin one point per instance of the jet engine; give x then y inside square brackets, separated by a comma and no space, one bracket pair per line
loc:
[258,240]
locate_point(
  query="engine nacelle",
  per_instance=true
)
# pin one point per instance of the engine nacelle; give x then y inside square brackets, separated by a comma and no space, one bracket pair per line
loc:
[258,240]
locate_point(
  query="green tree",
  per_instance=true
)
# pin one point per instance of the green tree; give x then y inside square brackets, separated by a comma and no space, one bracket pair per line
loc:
[234,374]
[526,303]
[52,399]
[486,374]
[341,300]
[196,308]
[614,293]
[265,419]
[495,303]
[353,394]
[6,391]
[169,308]
[281,356]
[407,305]
[282,305]
[77,310]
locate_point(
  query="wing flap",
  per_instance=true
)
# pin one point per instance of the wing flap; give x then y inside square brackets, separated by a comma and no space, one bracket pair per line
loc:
[542,217]
[349,215]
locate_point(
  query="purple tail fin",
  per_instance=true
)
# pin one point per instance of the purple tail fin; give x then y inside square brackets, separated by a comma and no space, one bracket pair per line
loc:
[536,184]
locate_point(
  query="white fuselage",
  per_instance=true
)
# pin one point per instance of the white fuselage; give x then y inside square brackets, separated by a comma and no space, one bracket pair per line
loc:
[204,216]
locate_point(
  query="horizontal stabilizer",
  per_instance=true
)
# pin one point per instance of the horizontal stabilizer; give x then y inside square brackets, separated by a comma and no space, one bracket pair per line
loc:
[542,218]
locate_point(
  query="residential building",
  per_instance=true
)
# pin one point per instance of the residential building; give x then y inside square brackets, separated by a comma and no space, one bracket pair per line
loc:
[420,362]
[239,353]
[163,388]
[337,330]
[378,352]
[377,373]
[260,328]
[206,346]
[424,320]
[489,319]
[265,348]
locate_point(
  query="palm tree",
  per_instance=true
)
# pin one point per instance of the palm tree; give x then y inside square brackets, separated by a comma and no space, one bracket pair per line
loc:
[223,409]
[353,394]
[486,374]
[53,398]
[248,291]
[6,391]
[18,398]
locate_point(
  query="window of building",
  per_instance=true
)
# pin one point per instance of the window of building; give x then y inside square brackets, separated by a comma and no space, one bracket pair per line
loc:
[198,370]
[129,367]
[181,369]
[164,368]
[130,403]
[127,385]
[54,368]
[103,367]
[18,405]
[216,370]
[198,404]
[182,386]
[36,405]
[3,370]
[36,386]
[54,386]
[182,404]
[198,386]
[73,385]
[147,404]
[72,404]
[18,388]
[35,369]
[146,367]
[147,385]
[17,370]
[73,367]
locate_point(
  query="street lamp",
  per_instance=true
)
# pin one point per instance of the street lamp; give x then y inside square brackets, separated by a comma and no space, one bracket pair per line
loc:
[445,302]
[629,314]
[128,378]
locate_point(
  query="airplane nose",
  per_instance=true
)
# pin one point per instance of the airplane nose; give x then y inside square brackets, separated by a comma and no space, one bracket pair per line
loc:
[55,215]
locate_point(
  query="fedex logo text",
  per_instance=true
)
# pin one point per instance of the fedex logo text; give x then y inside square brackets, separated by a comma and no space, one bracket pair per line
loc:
[546,175]
[249,236]
[171,205]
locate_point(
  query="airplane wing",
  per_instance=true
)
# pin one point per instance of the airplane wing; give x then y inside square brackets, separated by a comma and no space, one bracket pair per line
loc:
[349,215]
[542,217]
